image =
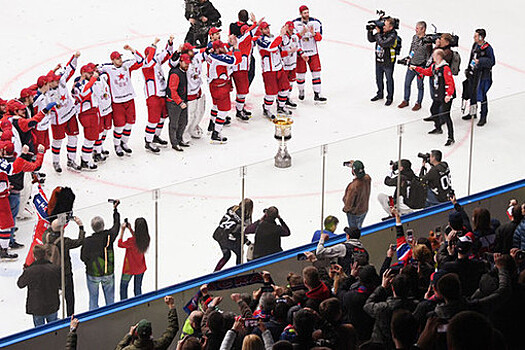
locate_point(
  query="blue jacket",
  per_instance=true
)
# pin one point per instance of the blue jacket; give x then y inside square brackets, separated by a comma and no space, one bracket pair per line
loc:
[519,236]
[317,235]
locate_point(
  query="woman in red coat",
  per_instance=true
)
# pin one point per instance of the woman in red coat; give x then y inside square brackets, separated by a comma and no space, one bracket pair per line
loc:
[134,262]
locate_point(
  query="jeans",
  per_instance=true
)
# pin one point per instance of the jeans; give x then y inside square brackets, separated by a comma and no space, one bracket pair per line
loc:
[177,123]
[108,287]
[137,285]
[355,220]
[431,199]
[387,71]
[408,83]
[442,111]
[41,320]
[483,88]
[14,203]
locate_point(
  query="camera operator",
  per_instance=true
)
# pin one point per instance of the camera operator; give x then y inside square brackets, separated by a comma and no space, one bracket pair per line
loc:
[419,54]
[202,15]
[443,93]
[407,176]
[479,76]
[437,178]
[386,42]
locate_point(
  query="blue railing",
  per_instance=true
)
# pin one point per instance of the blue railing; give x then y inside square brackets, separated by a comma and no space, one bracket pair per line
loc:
[246,267]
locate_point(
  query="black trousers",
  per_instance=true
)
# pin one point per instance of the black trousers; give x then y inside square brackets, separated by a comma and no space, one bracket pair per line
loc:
[226,248]
[251,71]
[178,119]
[441,111]
[70,295]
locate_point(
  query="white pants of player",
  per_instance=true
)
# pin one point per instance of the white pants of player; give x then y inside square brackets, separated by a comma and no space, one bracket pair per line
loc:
[402,207]
[26,208]
[196,109]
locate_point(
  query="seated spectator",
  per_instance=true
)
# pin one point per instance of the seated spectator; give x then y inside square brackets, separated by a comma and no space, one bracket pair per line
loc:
[345,253]
[317,290]
[140,335]
[42,280]
[330,225]
[267,233]
[505,233]
[404,329]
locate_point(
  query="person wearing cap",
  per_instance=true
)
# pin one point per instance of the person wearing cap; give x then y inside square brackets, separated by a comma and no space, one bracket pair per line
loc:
[3,107]
[274,77]
[155,91]
[122,95]
[214,34]
[64,120]
[309,31]
[240,72]
[407,176]
[140,335]
[41,99]
[10,164]
[202,15]
[268,233]
[177,102]
[88,113]
[292,45]
[357,195]
[27,97]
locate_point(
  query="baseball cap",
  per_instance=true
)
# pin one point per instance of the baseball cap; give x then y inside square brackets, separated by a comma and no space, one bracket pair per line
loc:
[185,58]
[464,244]
[42,80]
[51,76]
[115,55]
[26,92]
[455,220]
[290,25]
[244,28]
[263,25]
[303,8]
[217,44]
[2,102]
[15,105]
[214,30]
[359,169]
[148,50]
[144,329]
[187,47]
[7,147]
[88,68]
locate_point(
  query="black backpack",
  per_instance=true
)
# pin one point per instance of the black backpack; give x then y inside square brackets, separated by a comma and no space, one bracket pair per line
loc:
[398,45]
[456,63]
[416,193]
[353,253]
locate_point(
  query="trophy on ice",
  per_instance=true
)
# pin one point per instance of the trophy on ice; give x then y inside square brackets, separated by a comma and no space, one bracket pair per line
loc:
[283,133]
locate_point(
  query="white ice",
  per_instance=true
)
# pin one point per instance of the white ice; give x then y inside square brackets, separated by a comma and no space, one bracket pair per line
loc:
[38,35]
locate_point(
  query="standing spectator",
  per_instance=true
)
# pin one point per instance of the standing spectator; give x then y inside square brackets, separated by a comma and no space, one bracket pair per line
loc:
[52,236]
[42,280]
[418,56]
[404,329]
[352,250]
[140,335]
[202,15]
[505,233]
[177,102]
[479,75]
[317,290]
[134,262]
[444,93]
[267,233]
[330,225]
[386,42]
[357,195]
[97,254]
[519,233]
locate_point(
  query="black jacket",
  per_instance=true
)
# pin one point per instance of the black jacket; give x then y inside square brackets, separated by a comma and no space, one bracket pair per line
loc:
[267,236]
[182,87]
[52,237]
[205,9]
[436,177]
[385,46]
[97,250]
[407,175]
[42,280]
[504,236]
[469,272]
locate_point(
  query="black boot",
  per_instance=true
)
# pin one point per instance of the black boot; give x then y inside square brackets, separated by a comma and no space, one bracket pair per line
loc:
[246,112]
[241,116]
[211,126]
[283,111]
[159,141]
[216,137]
[268,114]
[4,255]
[318,98]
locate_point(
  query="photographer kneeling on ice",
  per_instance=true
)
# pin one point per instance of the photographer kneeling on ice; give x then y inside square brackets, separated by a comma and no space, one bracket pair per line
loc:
[437,178]
[411,191]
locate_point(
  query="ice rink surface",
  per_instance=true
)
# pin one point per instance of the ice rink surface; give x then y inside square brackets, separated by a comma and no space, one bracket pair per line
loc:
[38,35]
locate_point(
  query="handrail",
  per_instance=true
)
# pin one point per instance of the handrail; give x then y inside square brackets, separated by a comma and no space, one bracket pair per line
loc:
[246,267]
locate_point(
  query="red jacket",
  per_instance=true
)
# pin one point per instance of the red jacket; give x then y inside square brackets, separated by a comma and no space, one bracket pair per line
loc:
[447,75]
[134,261]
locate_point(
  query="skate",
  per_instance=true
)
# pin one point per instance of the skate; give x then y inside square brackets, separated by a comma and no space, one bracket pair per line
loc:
[85,166]
[159,141]
[15,245]
[197,133]
[242,117]
[151,148]
[290,104]
[247,112]
[318,99]
[72,165]
[126,149]
[218,138]
[301,96]
[118,151]
[56,166]
[211,126]
[104,152]
[268,114]
[99,157]
[283,112]
[4,255]
[227,121]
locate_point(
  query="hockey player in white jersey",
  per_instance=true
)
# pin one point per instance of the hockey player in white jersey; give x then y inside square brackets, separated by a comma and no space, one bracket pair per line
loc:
[310,31]
[122,96]
[41,99]
[106,115]
[292,46]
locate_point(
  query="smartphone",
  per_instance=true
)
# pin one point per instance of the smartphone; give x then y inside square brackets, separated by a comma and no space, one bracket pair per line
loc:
[391,201]
[410,236]
[393,247]
[442,328]
[302,257]
[251,322]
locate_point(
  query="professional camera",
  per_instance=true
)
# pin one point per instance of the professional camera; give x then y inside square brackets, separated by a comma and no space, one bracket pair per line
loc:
[424,156]
[431,38]
[380,22]
[394,165]
[404,61]
[520,255]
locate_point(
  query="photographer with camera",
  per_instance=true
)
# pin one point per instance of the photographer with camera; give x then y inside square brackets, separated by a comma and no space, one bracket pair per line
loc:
[479,76]
[443,93]
[420,51]
[387,47]
[202,15]
[437,178]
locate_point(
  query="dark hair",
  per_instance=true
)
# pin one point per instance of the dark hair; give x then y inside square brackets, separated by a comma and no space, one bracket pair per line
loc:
[353,232]
[271,213]
[449,287]
[404,327]
[280,311]
[437,154]
[517,215]
[142,238]
[228,319]
[447,37]
[482,33]
[304,323]
[215,321]
[330,221]
[282,345]
[400,285]
[425,241]
[243,16]
[39,252]
[469,330]
[311,276]
[369,345]
[481,219]
[191,343]
[330,310]
[422,23]
[390,21]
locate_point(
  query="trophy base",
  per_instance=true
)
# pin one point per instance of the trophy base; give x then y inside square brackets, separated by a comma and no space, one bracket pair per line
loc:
[283,158]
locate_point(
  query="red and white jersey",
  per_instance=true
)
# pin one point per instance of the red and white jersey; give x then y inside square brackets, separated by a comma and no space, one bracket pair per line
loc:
[103,93]
[245,44]
[194,73]
[120,78]
[40,102]
[309,40]
[219,65]
[290,42]
[85,94]
[155,82]
[270,54]
[65,108]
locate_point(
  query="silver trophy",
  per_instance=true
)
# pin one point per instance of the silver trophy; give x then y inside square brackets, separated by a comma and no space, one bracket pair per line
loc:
[283,133]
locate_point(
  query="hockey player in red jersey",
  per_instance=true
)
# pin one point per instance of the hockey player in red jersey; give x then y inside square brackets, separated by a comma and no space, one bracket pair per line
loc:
[274,77]
[310,31]
[122,96]
[155,91]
